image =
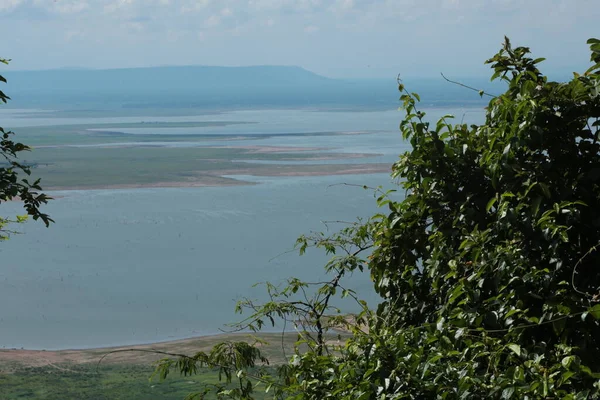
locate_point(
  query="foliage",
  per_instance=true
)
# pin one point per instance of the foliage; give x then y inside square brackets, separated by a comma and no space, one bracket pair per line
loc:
[11,184]
[486,269]
[110,382]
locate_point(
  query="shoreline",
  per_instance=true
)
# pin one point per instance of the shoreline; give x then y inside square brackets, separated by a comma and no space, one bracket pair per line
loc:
[12,360]
[107,348]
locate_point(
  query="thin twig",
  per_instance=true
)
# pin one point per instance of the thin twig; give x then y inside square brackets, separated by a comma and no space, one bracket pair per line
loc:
[282,338]
[592,249]
[211,364]
[284,253]
[532,325]
[481,92]
[141,351]
[376,190]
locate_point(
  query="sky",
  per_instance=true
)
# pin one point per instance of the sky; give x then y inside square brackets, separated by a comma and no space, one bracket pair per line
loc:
[334,38]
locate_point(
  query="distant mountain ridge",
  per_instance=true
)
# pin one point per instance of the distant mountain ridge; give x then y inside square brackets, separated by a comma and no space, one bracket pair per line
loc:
[168,77]
[204,87]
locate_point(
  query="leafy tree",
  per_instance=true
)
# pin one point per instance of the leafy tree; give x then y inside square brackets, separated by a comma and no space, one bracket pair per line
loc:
[487,267]
[11,184]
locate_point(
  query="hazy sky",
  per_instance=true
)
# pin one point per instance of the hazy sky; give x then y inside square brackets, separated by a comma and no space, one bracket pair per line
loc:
[336,38]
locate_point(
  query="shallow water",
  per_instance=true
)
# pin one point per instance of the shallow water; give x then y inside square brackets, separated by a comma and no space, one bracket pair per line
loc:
[122,267]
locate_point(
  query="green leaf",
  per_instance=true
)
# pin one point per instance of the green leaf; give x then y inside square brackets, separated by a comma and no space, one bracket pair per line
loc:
[508,392]
[515,348]
[565,376]
[545,189]
[440,324]
[595,311]
[593,68]
[490,204]
[566,361]
[535,205]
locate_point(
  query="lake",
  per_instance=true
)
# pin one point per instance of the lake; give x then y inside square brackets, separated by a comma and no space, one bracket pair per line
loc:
[135,266]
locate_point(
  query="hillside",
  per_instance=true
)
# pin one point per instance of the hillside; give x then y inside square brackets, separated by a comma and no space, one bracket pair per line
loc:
[163,78]
[211,87]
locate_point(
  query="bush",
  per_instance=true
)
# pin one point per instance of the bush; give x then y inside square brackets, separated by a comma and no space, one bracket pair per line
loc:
[486,269]
[12,183]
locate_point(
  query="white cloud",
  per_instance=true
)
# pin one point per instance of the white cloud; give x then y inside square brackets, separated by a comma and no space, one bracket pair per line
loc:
[308,5]
[414,35]
[174,36]
[311,29]
[194,6]
[212,21]
[69,7]
[7,5]
[73,35]
[117,5]
[265,5]
[135,26]
[343,5]
[450,3]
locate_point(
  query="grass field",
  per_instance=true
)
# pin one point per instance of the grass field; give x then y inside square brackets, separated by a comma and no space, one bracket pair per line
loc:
[77,374]
[111,382]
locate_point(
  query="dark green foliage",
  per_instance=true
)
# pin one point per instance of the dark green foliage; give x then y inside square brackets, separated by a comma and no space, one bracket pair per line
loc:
[11,184]
[487,267]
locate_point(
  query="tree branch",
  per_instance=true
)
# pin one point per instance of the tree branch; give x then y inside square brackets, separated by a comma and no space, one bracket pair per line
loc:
[481,92]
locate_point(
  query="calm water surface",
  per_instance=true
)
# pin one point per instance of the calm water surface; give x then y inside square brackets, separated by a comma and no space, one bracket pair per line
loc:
[122,267]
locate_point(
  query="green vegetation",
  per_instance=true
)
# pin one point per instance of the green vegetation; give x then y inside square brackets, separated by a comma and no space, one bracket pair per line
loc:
[487,268]
[12,183]
[110,382]
[120,373]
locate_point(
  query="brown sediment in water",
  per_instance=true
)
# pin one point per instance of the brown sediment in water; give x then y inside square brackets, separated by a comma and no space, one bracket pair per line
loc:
[174,184]
[219,178]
